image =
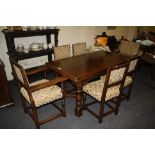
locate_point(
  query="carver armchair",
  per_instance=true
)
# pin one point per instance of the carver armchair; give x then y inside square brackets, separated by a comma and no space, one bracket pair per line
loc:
[40,93]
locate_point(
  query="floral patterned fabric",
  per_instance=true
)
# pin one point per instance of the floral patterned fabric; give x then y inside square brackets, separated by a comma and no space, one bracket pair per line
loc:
[43,96]
[19,74]
[61,52]
[128,81]
[95,89]
[132,65]
[79,48]
[129,48]
[116,75]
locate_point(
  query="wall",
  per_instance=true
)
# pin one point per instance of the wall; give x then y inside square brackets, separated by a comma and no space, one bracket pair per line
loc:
[67,35]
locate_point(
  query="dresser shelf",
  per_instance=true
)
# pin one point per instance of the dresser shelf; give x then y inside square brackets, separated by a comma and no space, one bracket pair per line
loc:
[10,41]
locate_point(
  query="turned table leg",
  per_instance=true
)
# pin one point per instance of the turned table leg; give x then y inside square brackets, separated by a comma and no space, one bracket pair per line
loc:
[78,108]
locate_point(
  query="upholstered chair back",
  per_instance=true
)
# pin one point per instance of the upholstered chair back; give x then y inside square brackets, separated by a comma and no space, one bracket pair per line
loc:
[116,75]
[133,64]
[129,48]
[19,72]
[79,48]
[61,52]
[114,81]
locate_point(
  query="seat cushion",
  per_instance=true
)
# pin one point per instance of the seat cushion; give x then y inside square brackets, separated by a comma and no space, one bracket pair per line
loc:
[95,89]
[128,81]
[43,96]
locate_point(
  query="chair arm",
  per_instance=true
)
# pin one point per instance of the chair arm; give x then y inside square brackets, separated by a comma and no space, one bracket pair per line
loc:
[38,69]
[47,84]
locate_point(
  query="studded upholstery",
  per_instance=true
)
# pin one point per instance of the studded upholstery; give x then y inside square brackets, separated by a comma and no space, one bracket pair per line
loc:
[79,48]
[129,48]
[61,52]
[43,96]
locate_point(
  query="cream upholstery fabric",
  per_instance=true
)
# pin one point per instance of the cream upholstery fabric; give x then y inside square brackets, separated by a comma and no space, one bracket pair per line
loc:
[129,48]
[19,74]
[79,48]
[43,96]
[132,65]
[98,48]
[127,82]
[95,89]
[61,52]
[103,77]
[116,75]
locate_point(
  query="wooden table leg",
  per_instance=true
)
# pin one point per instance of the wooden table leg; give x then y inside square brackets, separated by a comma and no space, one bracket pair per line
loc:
[78,108]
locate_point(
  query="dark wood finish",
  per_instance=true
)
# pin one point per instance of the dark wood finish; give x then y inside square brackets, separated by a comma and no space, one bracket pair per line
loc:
[5,95]
[101,113]
[30,89]
[11,35]
[83,68]
[32,54]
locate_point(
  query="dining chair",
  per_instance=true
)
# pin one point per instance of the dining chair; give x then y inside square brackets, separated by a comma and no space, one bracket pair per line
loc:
[133,65]
[79,48]
[129,48]
[105,91]
[39,93]
[61,52]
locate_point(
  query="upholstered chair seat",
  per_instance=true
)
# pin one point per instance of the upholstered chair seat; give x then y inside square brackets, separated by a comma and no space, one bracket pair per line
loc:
[94,89]
[43,96]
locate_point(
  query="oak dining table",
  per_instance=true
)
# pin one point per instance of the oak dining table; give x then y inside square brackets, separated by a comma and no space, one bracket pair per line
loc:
[83,68]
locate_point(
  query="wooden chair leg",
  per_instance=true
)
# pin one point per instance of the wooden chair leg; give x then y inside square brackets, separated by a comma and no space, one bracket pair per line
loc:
[101,112]
[63,107]
[23,104]
[35,116]
[129,92]
[63,89]
[117,105]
